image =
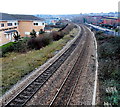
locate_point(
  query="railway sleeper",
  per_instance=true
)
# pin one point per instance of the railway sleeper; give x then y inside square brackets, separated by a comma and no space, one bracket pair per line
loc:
[37,83]
[18,101]
[27,92]
[24,96]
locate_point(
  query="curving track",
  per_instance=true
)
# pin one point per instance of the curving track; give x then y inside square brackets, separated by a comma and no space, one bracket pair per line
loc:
[69,87]
[64,95]
[26,94]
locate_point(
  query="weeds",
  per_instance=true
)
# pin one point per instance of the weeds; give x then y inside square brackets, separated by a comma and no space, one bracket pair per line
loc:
[109,67]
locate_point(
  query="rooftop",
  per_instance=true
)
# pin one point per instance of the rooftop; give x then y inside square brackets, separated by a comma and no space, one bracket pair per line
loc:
[5,17]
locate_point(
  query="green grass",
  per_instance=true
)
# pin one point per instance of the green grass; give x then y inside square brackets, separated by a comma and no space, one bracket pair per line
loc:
[5,48]
[8,44]
[16,65]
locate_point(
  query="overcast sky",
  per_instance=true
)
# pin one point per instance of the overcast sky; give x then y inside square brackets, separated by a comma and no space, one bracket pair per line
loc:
[57,6]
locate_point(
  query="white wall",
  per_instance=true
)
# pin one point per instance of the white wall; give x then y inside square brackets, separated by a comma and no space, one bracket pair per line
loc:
[13,22]
[40,23]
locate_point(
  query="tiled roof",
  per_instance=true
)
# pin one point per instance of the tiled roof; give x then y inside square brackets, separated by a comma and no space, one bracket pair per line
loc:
[5,16]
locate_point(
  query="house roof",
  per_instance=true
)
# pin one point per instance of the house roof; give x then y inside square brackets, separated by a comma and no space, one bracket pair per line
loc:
[5,17]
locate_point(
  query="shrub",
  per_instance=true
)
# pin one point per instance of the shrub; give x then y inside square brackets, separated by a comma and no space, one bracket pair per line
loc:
[67,29]
[46,39]
[56,35]
[33,34]
[63,31]
[9,47]
[99,32]
[16,36]
[107,50]
[21,46]
[41,31]
[39,42]
[63,27]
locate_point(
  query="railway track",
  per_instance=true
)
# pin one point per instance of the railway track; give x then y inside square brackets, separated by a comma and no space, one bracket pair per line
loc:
[28,92]
[65,92]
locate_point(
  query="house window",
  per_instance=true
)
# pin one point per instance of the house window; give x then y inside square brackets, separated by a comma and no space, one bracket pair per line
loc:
[2,25]
[35,24]
[15,24]
[9,24]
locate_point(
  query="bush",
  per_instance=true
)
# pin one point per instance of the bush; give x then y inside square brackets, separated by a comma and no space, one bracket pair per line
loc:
[99,32]
[21,46]
[39,42]
[33,34]
[27,43]
[16,36]
[56,35]
[46,39]
[9,47]
[41,31]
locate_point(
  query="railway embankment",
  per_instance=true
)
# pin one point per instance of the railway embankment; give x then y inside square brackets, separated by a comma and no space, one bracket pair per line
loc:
[21,84]
[109,69]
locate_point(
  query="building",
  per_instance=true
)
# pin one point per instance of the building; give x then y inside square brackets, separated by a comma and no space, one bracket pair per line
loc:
[111,21]
[52,21]
[21,24]
[96,20]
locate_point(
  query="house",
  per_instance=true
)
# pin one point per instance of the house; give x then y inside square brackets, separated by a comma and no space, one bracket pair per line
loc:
[21,24]
[111,21]
[52,21]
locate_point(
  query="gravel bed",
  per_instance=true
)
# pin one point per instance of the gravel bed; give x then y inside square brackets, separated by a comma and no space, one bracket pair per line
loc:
[84,89]
[48,91]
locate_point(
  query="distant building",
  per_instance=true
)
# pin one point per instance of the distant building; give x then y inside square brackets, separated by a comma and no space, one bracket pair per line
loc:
[22,24]
[51,21]
[97,20]
[111,21]
[93,19]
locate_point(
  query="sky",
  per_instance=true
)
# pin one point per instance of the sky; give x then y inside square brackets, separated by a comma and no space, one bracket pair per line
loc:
[58,6]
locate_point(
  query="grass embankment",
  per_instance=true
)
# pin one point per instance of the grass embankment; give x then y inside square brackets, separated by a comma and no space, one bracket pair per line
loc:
[109,69]
[16,65]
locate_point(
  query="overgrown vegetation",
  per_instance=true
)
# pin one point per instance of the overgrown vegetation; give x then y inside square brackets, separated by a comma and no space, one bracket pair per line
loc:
[109,68]
[6,48]
[39,42]
[29,54]
[35,42]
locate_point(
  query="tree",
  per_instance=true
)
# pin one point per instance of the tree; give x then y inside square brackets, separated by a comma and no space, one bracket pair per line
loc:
[16,36]
[41,31]
[117,29]
[33,34]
